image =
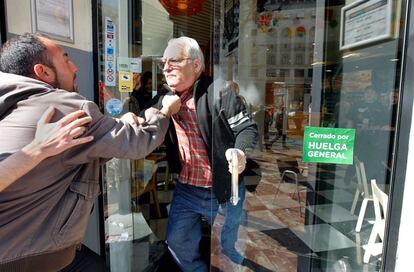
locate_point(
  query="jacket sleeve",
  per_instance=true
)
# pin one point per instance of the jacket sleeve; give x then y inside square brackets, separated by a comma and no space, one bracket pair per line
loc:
[114,138]
[240,121]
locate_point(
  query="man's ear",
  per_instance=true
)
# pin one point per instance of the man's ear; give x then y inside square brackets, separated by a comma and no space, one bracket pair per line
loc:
[197,66]
[44,73]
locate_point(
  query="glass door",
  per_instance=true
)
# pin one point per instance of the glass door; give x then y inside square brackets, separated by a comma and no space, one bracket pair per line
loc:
[134,208]
[137,193]
[321,80]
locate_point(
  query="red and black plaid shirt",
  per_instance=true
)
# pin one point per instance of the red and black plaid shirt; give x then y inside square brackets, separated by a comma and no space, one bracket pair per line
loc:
[195,164]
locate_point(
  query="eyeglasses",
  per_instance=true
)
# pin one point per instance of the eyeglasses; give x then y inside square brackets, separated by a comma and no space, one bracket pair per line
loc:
[171,62]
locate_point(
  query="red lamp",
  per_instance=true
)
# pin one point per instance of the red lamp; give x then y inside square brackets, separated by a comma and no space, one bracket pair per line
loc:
[183,7]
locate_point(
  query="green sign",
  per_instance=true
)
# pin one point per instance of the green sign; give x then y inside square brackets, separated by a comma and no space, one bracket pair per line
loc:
[328,145]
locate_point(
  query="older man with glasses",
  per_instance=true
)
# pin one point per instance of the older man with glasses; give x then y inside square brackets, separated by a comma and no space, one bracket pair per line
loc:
[199,142]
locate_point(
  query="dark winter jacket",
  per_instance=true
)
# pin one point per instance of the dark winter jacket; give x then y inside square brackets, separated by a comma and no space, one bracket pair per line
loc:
[223,122]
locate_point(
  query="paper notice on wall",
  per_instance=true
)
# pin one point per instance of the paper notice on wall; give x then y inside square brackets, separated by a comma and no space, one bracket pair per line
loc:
[133,65]
[110,51]
[123,64]
[126,82]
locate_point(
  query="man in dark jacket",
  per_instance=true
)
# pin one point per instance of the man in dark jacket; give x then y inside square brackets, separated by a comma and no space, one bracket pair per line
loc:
[211,124]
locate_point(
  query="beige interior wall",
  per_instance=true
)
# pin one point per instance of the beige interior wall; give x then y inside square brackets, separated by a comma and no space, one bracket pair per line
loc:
[19,21]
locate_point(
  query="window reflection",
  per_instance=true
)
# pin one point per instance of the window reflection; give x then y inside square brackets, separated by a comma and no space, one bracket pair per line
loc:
[311,82]
[288,80]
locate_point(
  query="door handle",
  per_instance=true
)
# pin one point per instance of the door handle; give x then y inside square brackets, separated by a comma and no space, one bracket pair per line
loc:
[234,199]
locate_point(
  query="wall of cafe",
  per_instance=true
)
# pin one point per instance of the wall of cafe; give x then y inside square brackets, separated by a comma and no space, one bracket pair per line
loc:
[19,20]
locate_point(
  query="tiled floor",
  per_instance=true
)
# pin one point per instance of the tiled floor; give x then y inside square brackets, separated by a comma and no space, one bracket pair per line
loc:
[279,233]
[280,238]
[330,213]
[322,237]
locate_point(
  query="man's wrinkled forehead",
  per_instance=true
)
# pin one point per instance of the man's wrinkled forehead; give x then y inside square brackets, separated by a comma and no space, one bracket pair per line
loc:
[174,51]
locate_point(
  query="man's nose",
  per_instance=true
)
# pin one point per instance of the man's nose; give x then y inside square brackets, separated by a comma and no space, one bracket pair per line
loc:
[167,66]
[76,69]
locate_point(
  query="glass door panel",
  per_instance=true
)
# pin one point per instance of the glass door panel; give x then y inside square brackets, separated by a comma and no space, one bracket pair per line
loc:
[137,193]
[134,209]
[312,211]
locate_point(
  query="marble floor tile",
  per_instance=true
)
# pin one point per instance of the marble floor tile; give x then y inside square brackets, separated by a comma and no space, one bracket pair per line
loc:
[337,196]
[280,201]
[290,217]
[288,240]
[266,188]
[322,237]
[263,220]
[253,204]
[340,183]
[331,213]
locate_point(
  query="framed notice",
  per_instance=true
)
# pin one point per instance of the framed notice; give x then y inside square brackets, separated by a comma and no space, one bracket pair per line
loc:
[365,21]
[53,18]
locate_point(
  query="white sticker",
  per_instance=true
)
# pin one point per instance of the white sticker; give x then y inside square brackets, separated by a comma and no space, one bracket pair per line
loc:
[110,51]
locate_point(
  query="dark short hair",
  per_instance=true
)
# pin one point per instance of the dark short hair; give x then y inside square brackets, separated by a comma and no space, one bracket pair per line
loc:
[146,76]
[19,54]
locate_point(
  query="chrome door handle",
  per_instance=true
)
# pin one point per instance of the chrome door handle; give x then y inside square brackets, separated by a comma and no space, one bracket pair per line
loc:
[234,199]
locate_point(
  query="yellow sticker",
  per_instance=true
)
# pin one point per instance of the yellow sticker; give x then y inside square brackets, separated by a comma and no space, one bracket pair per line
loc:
[126,82]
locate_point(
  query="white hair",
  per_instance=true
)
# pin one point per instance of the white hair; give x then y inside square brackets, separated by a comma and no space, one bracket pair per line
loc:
[191,48]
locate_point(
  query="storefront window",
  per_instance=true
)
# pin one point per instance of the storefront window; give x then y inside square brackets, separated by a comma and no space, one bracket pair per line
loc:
[307,209]
[326,114]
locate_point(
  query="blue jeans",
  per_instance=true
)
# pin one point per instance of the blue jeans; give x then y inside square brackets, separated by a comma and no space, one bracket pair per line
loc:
[184,224]
[233,217]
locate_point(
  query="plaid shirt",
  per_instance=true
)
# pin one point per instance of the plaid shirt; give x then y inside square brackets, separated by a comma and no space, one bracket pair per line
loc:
[195,164]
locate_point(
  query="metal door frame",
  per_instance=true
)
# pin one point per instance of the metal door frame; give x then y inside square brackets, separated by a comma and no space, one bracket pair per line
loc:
[3,28]
[402,139]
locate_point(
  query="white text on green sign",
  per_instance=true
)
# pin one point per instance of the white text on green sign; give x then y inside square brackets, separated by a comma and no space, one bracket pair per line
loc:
[328,145]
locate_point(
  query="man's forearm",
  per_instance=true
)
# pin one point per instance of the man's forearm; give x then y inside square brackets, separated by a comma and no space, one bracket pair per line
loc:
[18,164]
[247,139]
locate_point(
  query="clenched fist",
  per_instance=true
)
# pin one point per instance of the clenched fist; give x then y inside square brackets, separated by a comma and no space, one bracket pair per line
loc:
[132,119]
[241,159]
[170,104]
